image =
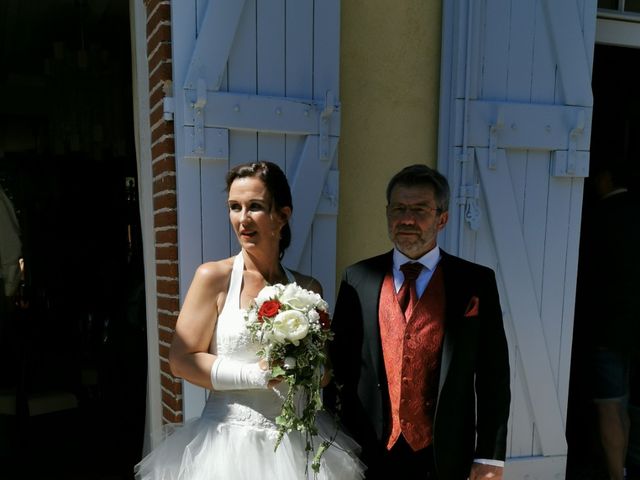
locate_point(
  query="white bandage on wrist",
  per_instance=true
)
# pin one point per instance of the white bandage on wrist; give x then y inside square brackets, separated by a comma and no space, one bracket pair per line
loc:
[229,374]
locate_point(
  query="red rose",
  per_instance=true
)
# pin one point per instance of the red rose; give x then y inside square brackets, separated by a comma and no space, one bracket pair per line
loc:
[325,320]
[269,309]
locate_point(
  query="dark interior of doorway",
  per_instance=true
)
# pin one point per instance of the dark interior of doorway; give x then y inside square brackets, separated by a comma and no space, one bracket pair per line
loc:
[73,353]
[615,142]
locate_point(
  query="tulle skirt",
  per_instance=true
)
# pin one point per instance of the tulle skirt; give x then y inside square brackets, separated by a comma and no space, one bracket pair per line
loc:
[233,441]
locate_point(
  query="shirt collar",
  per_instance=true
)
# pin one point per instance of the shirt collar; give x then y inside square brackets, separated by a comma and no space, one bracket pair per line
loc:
[429,260]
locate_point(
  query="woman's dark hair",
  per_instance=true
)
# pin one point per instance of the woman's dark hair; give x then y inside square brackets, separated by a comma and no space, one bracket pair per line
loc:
[277,185]
[420,175]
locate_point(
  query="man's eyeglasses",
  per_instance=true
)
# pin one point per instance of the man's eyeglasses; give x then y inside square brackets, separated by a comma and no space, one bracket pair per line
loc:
[416,211]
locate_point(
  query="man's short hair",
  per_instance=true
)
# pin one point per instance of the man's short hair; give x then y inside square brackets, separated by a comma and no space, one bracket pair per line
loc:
[419,175]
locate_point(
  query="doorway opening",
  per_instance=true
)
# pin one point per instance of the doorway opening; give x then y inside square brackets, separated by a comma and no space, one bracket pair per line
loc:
[615,145]
[73,331]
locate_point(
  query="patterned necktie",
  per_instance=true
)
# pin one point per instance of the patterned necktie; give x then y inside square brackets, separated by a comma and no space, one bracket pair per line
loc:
[407,295]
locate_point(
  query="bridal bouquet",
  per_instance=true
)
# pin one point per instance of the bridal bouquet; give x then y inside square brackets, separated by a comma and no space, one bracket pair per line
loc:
[292,326]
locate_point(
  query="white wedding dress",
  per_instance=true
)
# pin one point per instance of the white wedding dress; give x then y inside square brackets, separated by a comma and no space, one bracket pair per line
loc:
[234,438]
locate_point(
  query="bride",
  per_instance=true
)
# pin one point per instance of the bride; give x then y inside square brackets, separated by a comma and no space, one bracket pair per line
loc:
[234,438]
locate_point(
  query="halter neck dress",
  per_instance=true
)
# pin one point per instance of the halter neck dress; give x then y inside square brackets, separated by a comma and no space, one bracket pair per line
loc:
[235,435]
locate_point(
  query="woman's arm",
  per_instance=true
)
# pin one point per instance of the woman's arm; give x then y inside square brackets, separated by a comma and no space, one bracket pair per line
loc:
[189,356]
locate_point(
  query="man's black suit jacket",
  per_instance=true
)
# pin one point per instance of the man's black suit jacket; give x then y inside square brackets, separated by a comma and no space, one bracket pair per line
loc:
[474,393]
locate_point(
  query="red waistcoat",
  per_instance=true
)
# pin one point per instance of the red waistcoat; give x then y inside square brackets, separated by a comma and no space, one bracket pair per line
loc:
[411,349]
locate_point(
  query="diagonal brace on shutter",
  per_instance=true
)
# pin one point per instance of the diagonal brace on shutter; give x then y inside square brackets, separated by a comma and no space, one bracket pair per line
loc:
[308,187]
[523,305]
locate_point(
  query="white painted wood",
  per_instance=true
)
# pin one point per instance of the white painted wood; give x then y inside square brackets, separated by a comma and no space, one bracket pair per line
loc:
[298,44]
[299,116]
[201,9]
[544,77]
[216,141]
[215,214]
[308,182]
[515,90]
[520,52]
[215,37]
[566,31]
[270,38]
[535,468]
[326,68]
[241,64]
[299,84]
[514,265]
[494,78]
[326,45]
[566,332]
[526,125]
[324,229]
[241,78]
[255,87]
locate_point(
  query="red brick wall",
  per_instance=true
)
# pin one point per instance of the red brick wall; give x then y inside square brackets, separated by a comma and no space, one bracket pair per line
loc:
[164,197]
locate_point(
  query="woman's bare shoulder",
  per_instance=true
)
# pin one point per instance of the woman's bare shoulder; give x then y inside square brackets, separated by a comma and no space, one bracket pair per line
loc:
[214,274]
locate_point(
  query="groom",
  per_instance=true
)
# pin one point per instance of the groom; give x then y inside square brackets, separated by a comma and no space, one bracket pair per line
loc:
[420,356]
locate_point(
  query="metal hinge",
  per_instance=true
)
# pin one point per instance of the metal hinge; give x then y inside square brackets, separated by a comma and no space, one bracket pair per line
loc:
[198,114]
[494,129]
[469,195]
[168,109]
[325,121]
[572,163]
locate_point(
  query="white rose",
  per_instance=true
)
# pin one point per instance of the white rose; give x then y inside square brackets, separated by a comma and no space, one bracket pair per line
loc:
[252,316]
[267,293]
[297,297]
[314,317]
[290,325]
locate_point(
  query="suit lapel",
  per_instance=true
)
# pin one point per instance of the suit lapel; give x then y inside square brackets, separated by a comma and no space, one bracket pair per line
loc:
[454,293]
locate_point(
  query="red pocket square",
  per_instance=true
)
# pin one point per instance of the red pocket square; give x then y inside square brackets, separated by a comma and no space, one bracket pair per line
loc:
[473,308]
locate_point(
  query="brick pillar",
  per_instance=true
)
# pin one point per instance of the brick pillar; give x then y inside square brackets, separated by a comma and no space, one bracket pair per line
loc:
[164,198]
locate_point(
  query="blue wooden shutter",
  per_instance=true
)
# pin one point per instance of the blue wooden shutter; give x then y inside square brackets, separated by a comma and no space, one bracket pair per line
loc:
[515,126]
[256,80]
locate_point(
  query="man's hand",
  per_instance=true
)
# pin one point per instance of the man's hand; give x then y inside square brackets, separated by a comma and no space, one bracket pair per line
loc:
[480,471]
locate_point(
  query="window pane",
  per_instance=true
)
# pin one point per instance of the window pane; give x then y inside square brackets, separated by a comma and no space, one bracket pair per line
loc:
[609,4]
[632,6]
